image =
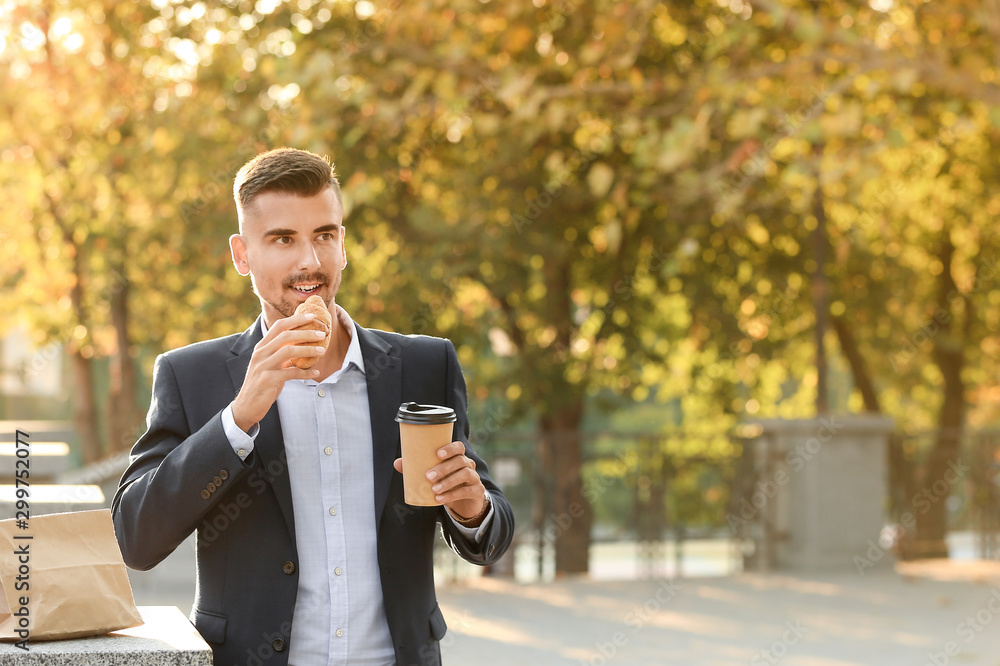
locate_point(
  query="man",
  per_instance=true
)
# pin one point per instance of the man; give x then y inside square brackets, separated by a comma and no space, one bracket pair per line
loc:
[306,552]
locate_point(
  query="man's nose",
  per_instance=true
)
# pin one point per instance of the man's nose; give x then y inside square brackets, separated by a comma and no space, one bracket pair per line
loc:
[309,258]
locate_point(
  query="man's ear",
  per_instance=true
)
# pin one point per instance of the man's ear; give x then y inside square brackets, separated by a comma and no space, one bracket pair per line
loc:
[343,246]
[238,247]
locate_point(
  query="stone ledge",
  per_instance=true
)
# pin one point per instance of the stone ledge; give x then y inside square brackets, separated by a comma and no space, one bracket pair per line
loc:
[166,639]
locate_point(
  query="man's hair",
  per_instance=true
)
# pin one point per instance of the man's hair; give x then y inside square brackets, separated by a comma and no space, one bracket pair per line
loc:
[289,170]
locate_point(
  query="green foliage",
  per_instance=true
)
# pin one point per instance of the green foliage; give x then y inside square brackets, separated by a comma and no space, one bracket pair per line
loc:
[604,203]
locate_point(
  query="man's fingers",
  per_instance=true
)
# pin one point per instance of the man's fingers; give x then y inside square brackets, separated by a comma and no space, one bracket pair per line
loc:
[465,476]
[462,485]
[303,335]
[293,372]
[450,466]
[453,449]
[457,494]
[289,323]
[290,352]
[454,479]
[270,345]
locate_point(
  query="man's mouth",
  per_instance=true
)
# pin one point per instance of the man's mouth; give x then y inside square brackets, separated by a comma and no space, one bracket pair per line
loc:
[306,288]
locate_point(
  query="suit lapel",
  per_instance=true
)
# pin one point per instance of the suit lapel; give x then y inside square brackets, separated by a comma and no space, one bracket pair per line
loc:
[382,370]
[269,444]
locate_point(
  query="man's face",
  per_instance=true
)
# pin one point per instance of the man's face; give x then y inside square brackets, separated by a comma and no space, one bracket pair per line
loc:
[292,247]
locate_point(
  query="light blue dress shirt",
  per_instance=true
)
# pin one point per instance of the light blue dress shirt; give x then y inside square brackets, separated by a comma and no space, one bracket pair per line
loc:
[339,615]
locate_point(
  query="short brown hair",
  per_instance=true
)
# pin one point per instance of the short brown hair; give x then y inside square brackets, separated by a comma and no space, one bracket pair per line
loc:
[284,170]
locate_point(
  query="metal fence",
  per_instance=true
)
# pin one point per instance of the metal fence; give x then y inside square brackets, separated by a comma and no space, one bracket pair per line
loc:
[658,492]
[971,494]
[665,493]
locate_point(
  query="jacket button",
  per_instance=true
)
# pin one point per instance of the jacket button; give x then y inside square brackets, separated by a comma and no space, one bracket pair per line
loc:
[278,645]
[224,474]
[210,487]
[217,481]
[288,568]
[205,494]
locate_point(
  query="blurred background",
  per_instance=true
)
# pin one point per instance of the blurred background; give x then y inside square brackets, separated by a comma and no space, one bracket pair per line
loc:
[680,247]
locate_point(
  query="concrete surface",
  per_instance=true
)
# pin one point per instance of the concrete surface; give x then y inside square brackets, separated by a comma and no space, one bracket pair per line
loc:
[165,638]
[881,618]
[935,613]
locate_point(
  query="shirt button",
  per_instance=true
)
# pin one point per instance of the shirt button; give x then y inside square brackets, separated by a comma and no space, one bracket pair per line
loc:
[338,571]
[340,632]
[328,450]
[333,511]
[321,393]
[242,453]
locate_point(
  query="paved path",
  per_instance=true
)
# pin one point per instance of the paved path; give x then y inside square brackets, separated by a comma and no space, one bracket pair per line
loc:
[882,618]
[879,619]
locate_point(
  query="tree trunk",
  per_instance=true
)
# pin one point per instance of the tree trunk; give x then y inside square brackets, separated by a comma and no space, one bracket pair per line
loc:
[931,502]
[862,379]
[561,510]
[123,411]
[85,407]
[84,398]
[572,515]
[820,292]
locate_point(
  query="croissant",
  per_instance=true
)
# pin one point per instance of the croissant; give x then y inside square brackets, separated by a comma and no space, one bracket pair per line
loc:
[322,322]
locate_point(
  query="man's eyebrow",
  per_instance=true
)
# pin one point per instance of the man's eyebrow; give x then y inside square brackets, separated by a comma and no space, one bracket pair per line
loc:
[280,232]
[292,232]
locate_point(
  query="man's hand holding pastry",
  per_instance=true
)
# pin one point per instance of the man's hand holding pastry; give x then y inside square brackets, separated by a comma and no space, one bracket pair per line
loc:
[288,351]
[271,365]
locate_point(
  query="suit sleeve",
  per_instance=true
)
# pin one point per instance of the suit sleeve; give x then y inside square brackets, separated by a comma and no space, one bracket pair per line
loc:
[172,478]
[500,531]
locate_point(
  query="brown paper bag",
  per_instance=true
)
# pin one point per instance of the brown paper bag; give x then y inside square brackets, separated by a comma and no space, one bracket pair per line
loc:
[63,577]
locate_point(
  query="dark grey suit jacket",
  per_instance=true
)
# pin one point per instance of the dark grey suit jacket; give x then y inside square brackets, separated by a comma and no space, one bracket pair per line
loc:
[185,477]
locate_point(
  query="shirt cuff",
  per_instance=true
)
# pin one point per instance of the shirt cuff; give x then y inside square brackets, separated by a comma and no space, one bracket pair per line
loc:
[241,442]
[472,533]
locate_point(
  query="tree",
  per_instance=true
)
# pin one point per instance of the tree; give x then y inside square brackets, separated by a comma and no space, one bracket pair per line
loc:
[536,167]
[103,140]
[623,198]
[896,157]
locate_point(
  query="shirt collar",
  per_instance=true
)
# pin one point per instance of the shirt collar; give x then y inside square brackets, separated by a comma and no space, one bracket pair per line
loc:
[353,349]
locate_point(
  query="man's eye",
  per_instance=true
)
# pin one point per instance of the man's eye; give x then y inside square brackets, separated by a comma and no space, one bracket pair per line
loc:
[327,236]
[283,240]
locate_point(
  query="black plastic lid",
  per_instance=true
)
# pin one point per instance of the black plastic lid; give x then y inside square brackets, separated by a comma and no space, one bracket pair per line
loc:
[414,414]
